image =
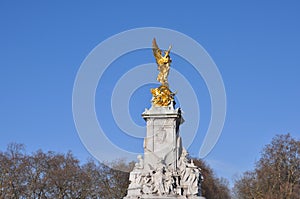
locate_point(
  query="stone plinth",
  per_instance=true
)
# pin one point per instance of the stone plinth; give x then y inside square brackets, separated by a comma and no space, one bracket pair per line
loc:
[162,143]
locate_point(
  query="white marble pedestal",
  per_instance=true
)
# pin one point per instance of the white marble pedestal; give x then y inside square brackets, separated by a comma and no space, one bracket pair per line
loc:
[165,172]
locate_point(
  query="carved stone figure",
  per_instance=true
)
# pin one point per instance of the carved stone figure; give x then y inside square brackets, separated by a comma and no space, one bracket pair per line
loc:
[158,179]
[135,186]
[190,175]
[169,183]
[140,163]
[148,184]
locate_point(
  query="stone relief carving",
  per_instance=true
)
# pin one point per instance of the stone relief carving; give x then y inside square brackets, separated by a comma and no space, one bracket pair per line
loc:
[185,181]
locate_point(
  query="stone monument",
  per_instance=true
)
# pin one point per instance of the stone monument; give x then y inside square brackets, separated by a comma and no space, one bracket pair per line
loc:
[165,171]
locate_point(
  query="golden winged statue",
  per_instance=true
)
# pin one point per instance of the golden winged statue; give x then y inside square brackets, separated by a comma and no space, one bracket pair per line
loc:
[162,96]
[163,63]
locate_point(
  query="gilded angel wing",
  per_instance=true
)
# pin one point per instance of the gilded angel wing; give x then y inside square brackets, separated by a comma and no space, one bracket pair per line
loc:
[156,51]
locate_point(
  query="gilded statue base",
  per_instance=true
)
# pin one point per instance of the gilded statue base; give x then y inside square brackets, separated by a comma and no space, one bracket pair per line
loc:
[162,96]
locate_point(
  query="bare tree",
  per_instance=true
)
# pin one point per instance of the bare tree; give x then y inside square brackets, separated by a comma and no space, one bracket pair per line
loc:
[13,164]
[41,175]
[109,180]
[36,186]
[4,175]
[212,187]
[277,173]
[64,176]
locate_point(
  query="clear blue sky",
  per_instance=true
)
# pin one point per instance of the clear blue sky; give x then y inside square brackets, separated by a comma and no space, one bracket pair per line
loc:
[255,44]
